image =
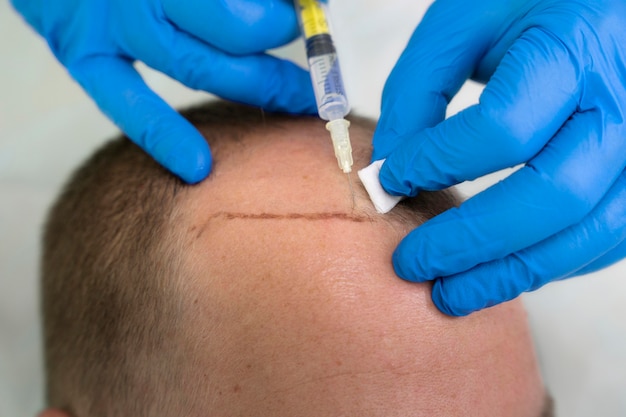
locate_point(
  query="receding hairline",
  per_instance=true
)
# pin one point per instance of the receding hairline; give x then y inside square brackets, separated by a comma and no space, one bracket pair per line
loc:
[215,122]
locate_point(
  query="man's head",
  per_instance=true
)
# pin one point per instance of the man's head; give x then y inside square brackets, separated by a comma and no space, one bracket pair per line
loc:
[265,290]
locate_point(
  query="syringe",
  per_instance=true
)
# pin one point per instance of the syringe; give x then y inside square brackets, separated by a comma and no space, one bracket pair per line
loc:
[332,103]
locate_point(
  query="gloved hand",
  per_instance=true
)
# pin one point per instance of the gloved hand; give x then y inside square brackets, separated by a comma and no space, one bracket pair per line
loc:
[212,45]
[555,100]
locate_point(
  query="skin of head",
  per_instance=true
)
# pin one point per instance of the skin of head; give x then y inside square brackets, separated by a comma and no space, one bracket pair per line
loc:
[265,290]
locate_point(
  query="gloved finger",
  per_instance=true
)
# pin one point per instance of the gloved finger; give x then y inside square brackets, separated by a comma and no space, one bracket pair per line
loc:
[613,256]
[529,97]
[555,190]
[439,57]
[616,255]
[603,231]
[236,26]
[259,80]
[146,119]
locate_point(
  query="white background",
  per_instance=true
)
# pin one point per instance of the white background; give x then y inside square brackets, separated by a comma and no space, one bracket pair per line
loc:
[47,126]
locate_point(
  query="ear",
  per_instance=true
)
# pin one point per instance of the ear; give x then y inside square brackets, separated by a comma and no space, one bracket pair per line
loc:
[53,412]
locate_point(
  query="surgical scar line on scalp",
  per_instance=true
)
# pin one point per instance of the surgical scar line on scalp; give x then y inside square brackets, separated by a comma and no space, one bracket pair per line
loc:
[331,215]
[293,216]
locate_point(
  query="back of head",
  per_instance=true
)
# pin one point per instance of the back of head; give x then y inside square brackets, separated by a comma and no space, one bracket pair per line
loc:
[161,298]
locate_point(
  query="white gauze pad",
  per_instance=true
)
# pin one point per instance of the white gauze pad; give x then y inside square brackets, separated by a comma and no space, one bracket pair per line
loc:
[383,201]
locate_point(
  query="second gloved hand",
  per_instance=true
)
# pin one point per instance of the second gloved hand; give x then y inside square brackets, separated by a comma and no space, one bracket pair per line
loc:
[555,101]
[212,45]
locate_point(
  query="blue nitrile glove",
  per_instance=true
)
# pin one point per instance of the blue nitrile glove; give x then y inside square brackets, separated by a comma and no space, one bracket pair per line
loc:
[555,100]
[211,45]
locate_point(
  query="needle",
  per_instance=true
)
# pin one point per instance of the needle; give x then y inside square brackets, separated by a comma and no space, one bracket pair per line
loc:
[351,190]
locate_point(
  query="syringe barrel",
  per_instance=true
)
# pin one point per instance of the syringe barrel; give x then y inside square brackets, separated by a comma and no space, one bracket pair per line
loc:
[330,94]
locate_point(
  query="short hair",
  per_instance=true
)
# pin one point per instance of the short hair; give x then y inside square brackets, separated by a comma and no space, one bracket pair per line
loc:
[111,260]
